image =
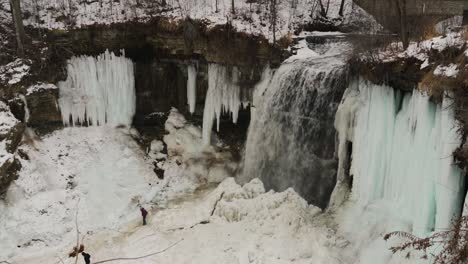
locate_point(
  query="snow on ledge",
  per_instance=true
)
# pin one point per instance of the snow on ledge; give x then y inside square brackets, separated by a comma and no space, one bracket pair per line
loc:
[7,120]
[40,87]
[13,72]
[449,71]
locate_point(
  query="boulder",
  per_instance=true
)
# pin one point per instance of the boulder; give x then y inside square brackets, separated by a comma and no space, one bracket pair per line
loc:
[43,106]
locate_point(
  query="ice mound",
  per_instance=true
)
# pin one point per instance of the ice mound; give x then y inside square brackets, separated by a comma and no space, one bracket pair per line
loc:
[252,203]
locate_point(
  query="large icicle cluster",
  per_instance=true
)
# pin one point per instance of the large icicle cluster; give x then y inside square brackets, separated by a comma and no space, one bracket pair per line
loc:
[98,91]
[402,148]
[223,96]
[192,87]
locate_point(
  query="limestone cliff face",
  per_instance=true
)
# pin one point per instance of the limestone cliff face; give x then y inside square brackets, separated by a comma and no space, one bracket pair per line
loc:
[161,51]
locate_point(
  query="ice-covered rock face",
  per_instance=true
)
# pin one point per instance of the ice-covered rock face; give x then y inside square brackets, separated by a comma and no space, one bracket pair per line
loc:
[402,147]
[98,91]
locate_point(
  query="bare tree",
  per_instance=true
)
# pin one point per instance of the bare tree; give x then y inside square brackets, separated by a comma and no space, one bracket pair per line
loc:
[233,9]
[274,17]
[19,27]
[341,8]
[453,243]
[404,33]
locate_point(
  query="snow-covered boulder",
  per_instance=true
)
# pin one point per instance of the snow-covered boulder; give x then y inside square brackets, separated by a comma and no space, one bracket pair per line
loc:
[42,104]
[11,131]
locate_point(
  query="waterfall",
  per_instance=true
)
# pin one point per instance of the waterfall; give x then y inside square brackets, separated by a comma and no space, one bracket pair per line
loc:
[291,137]
[98,91]
[223,96]
[402,147]
[192,87]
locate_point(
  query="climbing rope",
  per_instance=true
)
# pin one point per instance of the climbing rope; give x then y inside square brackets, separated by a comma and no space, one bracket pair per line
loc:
[141,257]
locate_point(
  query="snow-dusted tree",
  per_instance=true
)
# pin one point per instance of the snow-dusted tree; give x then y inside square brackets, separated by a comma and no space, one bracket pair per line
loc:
[453,243]
[15,6]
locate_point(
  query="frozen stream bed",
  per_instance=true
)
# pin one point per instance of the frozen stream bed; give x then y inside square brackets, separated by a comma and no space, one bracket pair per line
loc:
[103,172]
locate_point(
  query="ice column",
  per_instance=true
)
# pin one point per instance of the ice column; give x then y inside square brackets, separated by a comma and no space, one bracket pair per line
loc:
[98,91]
[192,87]
[223,95]
[402,153]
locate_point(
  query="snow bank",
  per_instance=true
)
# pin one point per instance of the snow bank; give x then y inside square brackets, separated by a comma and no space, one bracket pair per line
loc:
[98,91]
[15,71]
[447,71]
[101,171]
[40,87]
[421,50]
[7,120]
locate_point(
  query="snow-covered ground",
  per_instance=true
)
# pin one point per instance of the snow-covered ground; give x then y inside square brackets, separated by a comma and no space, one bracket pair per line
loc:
[249,16]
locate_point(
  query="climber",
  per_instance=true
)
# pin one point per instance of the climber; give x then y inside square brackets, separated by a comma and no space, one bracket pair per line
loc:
[144,213]
[87,257]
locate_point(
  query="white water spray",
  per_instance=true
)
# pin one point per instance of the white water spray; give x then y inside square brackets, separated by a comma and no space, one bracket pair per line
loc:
[223,96]
[98,91]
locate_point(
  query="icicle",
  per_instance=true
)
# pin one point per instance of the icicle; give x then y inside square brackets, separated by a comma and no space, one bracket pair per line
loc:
[192,87]
[223,95]
[26,109]
[98,91]
[402,147]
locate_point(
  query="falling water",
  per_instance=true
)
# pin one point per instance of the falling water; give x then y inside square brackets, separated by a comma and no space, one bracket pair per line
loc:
[291,138]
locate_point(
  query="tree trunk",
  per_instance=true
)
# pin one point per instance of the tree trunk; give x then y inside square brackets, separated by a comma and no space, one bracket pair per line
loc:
[323,12]
[341,8]
[404,33]
[19,28]
[273,18]
[233,10]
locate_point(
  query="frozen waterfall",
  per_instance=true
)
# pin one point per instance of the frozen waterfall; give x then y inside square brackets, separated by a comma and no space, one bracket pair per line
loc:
[192,87]
[402,148]
[98,91]
[223,96]
[291,137]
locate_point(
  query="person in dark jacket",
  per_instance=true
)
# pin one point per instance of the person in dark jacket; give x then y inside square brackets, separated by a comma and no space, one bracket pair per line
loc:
[144,213]
[87,257]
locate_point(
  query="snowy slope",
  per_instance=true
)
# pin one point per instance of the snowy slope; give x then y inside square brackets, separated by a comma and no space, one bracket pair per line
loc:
[249,17]
[101,171]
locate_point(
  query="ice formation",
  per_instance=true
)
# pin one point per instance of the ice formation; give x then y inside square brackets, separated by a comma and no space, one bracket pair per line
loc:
[192,87]
[223,96]
[98,91]
[184,143]
[290,141]
[402,148]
